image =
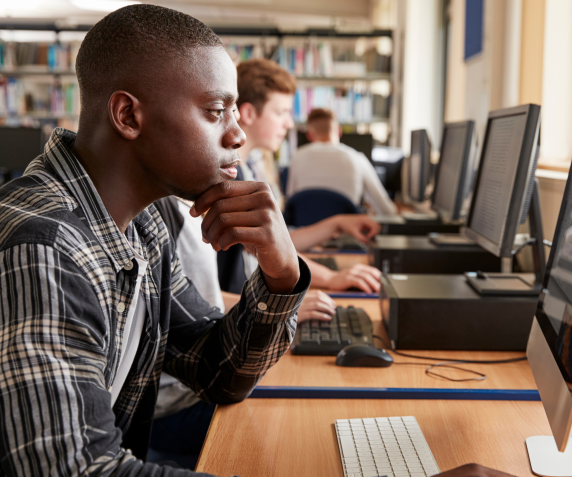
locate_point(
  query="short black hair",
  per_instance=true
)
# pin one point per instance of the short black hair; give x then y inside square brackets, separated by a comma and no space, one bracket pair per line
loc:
[135,37]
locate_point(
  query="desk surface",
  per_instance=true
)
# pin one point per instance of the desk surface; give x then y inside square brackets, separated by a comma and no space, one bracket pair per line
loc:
[321,371]
[276,437]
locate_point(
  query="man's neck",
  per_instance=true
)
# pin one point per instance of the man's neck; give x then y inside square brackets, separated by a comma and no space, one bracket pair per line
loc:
[124,187]
[247,148]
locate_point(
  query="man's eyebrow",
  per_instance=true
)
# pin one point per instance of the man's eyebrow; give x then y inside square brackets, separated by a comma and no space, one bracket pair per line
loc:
[224,96]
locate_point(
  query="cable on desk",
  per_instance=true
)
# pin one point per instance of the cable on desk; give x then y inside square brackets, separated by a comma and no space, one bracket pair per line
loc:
[448,363]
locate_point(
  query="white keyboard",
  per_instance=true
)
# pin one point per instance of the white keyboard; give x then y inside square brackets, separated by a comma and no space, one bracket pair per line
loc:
[384,446]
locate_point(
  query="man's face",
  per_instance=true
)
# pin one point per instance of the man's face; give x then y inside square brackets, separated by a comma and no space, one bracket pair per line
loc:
[270,127]
[190,136]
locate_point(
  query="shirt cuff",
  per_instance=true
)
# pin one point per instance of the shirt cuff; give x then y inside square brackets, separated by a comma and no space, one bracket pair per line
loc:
[269,308]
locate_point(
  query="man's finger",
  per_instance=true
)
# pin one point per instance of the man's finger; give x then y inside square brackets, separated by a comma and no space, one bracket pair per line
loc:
[224,190]
[361,284]
[243,203]
[226,221]
[244,235]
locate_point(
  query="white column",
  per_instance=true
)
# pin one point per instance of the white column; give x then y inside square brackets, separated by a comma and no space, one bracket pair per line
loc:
[511,80]
[556,129]
[422,71]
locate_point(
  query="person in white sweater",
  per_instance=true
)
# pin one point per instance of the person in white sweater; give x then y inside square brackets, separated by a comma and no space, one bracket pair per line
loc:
[325,163]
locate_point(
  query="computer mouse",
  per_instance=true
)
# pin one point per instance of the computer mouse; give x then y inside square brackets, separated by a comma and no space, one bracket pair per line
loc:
[362,355]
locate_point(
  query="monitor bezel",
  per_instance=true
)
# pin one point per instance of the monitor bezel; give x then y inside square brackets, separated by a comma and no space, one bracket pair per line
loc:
[445,214]
[425,147]
[562,430]
[524,171]
[40,144]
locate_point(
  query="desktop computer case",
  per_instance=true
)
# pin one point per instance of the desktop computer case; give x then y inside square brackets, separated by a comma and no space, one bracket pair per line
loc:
[394,254]
[442,312]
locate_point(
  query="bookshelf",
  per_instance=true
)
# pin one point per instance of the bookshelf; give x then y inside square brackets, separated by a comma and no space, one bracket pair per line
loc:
[348,72]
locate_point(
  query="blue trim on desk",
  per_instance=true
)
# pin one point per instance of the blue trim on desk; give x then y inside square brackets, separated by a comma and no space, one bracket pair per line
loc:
[336,252]
[289,392]
[353,295]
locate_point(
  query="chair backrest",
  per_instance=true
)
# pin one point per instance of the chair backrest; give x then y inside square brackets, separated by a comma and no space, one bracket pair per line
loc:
[310,206]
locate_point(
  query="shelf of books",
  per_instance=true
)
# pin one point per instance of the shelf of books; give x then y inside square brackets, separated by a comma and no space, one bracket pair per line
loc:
[349,75]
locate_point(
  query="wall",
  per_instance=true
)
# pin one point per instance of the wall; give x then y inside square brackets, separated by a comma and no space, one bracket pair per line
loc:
[422,71]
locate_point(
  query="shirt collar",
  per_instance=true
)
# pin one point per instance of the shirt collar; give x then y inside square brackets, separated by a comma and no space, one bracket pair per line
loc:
[58,153]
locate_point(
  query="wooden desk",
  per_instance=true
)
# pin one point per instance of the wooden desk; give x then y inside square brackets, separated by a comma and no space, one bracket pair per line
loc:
[275,437]
[321,371]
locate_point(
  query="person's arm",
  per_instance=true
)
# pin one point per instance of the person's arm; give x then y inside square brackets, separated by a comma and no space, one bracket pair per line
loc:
[222,360]
[374,189]
[359,226]
[55,402]
[360,276]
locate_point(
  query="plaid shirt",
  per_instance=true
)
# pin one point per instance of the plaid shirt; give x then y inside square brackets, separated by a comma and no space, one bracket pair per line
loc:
[67,277]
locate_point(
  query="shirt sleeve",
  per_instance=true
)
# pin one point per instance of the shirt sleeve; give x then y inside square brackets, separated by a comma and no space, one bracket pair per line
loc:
[56,411]
[374,189]
[222,360]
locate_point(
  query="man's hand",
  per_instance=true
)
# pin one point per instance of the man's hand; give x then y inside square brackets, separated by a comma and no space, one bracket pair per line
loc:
[360,276]
[362,227]
[474,470]
[246,213]
[316,306]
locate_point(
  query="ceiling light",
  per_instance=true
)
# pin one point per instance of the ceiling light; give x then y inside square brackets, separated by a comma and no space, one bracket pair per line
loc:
[102,5]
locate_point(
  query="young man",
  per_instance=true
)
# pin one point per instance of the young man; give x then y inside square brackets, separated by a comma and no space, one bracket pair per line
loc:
[265,95]
[326,163]
[94,304]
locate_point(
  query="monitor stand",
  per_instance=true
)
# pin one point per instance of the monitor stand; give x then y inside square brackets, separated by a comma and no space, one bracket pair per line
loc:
[546,460]
[510,284]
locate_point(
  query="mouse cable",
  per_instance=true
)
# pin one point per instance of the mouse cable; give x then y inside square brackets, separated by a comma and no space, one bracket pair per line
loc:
[448,363]
[449,360]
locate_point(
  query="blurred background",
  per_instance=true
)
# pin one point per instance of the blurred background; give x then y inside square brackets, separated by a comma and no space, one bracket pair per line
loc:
[385,67]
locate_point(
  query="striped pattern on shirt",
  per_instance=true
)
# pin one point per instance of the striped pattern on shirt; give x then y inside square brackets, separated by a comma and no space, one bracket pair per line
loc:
[65,293]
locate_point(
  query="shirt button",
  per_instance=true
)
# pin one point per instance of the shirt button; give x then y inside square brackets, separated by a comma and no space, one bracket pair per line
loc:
[262,306]
[128,266]
[121,307]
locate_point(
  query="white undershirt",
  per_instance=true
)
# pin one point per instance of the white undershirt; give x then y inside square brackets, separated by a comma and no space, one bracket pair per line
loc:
[133,329]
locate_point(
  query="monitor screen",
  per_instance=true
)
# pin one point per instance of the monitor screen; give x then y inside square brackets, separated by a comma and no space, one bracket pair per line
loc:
[419,165]
[360,142]
[499,164]
[453,167]
[551,335]
[18,147]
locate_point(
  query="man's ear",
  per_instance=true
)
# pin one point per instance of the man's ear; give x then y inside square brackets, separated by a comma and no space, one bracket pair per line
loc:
[125,114]
[248,113]
[340,132]
[310,135]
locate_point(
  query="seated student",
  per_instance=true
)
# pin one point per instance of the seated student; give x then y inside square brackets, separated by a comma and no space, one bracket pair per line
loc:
[325,163]
[94,304]
[181,419]
[265,98]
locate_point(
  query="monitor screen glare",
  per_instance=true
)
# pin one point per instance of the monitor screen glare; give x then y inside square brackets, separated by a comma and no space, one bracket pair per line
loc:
[499,166]
[450,166]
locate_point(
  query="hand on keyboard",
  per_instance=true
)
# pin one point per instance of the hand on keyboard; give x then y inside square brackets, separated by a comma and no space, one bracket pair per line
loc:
[474,470]
[360,276]
[316,306]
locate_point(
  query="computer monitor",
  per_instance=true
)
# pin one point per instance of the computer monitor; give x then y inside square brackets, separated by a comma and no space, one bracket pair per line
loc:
[359,142]
[504,190]
[505,178]
[455,170]
[549,351]
[419,165]
[18,147]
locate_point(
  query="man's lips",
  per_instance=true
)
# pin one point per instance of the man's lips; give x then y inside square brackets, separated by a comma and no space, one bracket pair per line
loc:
[230,169]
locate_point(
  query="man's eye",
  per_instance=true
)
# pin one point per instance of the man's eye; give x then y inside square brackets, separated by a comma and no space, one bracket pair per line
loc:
[217,112]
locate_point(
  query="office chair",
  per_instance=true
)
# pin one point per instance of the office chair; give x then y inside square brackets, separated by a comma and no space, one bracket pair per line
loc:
[312,205]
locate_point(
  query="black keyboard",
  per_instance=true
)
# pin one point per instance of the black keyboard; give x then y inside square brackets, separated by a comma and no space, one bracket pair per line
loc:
[324,338]
[327,262]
